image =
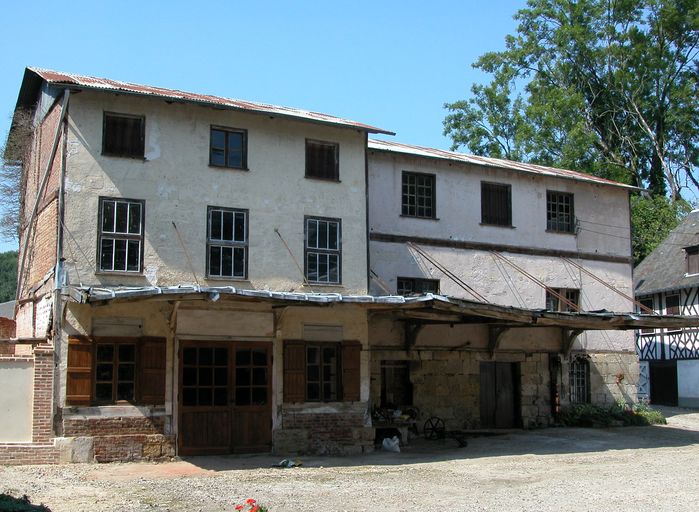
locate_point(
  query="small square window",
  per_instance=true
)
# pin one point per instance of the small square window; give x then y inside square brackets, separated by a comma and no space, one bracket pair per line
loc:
[123,135]
[323,250]
[496,204]
[554,302]
[228,148]
[120,246]
[418,195]
[227,243]
[560,212]
[672,304]
[322,160]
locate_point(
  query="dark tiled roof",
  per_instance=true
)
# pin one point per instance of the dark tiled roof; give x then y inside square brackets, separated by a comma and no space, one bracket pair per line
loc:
[665,268]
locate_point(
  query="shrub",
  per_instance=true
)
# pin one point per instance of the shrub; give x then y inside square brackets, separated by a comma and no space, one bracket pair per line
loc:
[588,415]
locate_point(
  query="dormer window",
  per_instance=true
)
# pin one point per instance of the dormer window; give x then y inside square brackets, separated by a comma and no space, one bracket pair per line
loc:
[692,257]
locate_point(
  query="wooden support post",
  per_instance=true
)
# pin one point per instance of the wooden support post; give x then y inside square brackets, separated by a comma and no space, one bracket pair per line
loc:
[567,339]
[494,337]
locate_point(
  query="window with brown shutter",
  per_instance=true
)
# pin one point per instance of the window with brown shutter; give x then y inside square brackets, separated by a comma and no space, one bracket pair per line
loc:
[496,204]
[111,370]
[321,372]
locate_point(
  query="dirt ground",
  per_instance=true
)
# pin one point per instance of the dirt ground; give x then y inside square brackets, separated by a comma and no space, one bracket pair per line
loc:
[633,468]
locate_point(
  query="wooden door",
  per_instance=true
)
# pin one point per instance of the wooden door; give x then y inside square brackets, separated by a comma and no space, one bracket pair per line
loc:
[225,398]
[500,407]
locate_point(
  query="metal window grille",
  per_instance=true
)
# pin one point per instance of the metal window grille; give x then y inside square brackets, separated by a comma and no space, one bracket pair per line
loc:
[323,250]
[227,243]
[418,195]
[560,213]
[580,381]
[121,235]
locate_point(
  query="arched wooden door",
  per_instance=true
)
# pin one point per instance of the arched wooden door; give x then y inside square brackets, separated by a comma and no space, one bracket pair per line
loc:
[225,397]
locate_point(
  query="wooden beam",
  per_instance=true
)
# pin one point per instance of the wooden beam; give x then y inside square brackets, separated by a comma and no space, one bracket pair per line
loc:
[568,337]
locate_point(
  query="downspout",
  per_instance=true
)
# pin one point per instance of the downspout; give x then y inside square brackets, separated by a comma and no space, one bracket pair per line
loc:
[366,211]
[42,188]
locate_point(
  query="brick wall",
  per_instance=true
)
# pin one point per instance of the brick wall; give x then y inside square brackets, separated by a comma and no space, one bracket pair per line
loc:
[337,429]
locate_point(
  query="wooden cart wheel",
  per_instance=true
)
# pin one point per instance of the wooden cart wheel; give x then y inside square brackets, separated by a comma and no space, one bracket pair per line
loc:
[433,428]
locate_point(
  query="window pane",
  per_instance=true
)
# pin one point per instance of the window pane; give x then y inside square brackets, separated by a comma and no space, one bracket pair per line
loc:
[312,227]
[206,356]
[220,396]
[235,158]
[313,373]
[220,376]
[323,268]
[259,396]
[242,357]
[214,261]
[242,377]
[120,255]
[189,356]
[205,396]
[259,357]
[227,226]
[313,391]
[206,376]
[238,262]
[189,396]
[105,353]
[107,254]
[189,376]
[135,218]
[333,236]
[125,391]
[108,209]
[312,355]
[242,396]
[126,372]
[221,356]
[259,376]
[122,217]
[239,227]
[333,268]
[103,392]
[218,139]
[322,235]
[134,256]
[227,261]
[218,157]
[312,266]
[215,225]
[104,372]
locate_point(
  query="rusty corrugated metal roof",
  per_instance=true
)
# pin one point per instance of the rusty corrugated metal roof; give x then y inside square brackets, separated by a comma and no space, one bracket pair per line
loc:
[105,84]
[408,149]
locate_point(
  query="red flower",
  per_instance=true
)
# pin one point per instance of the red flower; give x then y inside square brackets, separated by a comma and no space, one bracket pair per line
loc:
[239,507]
[250,501]
[255,509]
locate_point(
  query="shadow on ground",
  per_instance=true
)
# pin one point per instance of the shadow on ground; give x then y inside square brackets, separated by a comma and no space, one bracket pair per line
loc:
[548,441]
[11,504]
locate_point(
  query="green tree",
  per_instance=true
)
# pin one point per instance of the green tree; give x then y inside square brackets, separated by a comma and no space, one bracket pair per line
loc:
[8,275]
[607,88]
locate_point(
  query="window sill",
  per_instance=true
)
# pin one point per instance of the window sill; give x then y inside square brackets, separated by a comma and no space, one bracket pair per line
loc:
[226,168]
[112,410]
[237,280]
[487,225]
[310,284]
[119,273]
[554,232]
[318,178]
[140,158]
[416,217]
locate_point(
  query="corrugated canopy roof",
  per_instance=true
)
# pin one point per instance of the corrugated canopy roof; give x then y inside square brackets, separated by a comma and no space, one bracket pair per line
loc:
[396,147]
[665,268]
[429,307]
[58,78]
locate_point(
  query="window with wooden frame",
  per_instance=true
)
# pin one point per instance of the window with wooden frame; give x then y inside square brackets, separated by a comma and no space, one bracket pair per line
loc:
[560,212]
[323,250]
[416,286]
[103,371]
[692,257]
[228,148]
[321,372]
[418,195]
[123,135]
[580,381]
[672,304]
[496,204]
[322,160]
[227,243]
[648,303]
[571,296]
[120,244]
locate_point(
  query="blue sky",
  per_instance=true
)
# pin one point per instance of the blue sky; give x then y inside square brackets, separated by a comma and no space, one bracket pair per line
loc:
[392,64]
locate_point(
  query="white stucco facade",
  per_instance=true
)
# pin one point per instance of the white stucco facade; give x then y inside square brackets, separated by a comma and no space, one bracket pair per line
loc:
[177,184]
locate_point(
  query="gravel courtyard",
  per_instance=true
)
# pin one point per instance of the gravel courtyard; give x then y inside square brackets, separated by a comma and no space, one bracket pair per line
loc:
[633,468]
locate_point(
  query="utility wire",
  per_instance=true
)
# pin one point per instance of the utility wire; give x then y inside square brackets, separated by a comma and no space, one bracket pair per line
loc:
[288,249]
[186,253]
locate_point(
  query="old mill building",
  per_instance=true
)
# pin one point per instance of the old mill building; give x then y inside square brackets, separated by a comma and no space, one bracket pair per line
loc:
[205,275]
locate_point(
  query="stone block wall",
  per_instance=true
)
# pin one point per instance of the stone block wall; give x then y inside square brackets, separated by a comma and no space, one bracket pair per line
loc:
[324,429]
[614,376]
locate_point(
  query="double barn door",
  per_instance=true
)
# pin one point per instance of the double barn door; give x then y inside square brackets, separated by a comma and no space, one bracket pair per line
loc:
[225,397]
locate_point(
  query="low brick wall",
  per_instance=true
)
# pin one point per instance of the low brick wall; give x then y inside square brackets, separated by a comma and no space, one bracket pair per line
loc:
[119,438]
[18,454]
[327,429]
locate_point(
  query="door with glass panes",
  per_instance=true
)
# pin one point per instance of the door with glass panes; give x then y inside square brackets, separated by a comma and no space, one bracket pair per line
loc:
[225,397]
